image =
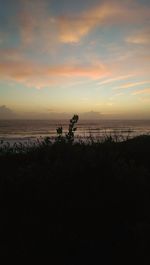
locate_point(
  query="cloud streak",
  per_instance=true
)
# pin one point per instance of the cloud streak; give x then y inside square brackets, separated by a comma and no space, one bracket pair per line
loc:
[32,73]
[141,91]
[11,54]
[142,37]
[133,84]
[114,79]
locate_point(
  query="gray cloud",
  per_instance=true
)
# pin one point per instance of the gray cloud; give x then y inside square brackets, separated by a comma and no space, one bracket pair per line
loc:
[91,115]
[6,113]
[63,115]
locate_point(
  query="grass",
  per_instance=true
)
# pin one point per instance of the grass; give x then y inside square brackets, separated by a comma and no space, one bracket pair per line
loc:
[88,203]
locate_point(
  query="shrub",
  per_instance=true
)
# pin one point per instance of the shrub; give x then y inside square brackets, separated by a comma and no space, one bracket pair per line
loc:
[69,137]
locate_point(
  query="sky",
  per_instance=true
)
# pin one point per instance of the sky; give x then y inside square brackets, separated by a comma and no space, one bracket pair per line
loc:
[90,57]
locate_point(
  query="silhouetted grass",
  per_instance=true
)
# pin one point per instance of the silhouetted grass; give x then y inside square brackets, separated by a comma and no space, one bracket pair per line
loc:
[88,203]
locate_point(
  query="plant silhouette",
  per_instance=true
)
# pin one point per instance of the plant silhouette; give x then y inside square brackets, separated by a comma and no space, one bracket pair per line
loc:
[72,129]
[59,131]
[69,137]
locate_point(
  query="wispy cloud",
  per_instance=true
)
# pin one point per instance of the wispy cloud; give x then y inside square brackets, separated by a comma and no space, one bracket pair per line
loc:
[37,26]
[114,79]
[11,54]
[141,91]
[73,28]
[32,73]
[142,37]
[36,20]
[133,84]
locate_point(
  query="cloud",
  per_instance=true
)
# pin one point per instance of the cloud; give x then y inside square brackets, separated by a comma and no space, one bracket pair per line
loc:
[40,29]
[114,79]
[92,71]
[2,37]
[146,58]
[45,115]
[141,91]
[142,37]
[58,115]
[146,101]
[6,113]
[37,27]
[133,84]
[91,115]
[11,54]
[38,75]
[73,28]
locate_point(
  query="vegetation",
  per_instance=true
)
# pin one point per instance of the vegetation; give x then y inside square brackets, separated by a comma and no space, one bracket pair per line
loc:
[85,202]
[69,137]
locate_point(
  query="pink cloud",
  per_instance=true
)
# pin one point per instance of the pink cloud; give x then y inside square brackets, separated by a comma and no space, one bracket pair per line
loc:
[42,75]
[73,28]
[11,54]
[38,26]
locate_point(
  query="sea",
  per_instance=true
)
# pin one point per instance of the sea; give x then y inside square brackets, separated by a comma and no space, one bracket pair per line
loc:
[15,131]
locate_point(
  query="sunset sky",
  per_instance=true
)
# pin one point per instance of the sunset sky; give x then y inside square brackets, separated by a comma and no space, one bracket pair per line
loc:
[75,56]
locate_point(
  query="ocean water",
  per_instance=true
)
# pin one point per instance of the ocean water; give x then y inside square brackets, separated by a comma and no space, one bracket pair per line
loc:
[27,130]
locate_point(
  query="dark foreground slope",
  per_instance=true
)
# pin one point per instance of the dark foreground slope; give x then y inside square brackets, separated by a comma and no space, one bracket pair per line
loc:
[88,204]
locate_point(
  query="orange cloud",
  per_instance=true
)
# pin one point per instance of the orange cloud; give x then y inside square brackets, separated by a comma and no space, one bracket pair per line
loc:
[11,54]
[37,27]
[72,29]
[35,21]
[128,85]
[78,71]
[142,91]
[42,75]
[142,37]
[114,79]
